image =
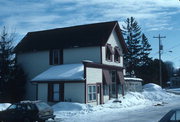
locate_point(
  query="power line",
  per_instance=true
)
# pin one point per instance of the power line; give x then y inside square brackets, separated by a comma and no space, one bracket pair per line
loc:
[170,49]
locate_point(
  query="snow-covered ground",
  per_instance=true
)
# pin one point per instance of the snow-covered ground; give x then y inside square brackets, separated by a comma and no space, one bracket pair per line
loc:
[174,90]
[149,106]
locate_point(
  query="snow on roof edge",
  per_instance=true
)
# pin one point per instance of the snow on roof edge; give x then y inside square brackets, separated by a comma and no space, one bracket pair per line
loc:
[130,78]
[65,72]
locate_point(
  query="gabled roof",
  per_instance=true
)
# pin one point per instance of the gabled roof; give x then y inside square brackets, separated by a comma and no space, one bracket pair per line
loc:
[77,36]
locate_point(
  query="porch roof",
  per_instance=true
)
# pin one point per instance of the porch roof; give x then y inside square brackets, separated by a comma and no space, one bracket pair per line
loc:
[66,72]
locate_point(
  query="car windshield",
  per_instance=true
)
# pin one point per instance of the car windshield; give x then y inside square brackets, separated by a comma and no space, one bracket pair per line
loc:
[176,116]
[42,106]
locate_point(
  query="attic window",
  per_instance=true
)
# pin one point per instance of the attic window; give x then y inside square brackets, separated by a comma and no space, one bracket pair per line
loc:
[56,57]
[109,52]
[117,54]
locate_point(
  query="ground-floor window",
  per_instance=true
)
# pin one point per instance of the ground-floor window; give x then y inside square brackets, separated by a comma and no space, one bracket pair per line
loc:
[114,83]
[105,89]
[119,89]
[55,92]
[91,92]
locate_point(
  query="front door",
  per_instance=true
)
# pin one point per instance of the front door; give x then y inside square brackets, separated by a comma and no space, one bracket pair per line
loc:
[99,93]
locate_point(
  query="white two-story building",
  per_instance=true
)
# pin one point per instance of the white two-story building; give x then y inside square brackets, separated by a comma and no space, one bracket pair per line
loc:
[80,64]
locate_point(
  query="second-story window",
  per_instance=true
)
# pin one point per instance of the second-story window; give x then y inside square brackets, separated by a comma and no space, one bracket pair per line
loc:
[117,54]
[109,52]
[56,57]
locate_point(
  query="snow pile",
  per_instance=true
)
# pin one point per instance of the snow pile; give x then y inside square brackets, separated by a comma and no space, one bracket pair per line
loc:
[152,87]
[3,106]
[152,95]
[131,99]
[68,109]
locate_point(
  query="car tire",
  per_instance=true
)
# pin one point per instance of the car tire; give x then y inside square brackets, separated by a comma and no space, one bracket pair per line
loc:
[27,120]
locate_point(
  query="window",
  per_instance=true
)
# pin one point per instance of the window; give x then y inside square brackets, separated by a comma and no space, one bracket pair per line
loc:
[56,57]
[91,92]
[117,54]
[109,52]
[55,92]
[105,89]
[120,89]
[113,86]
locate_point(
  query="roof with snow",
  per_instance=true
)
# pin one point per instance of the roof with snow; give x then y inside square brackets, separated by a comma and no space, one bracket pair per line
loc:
[66,72]
[96,34]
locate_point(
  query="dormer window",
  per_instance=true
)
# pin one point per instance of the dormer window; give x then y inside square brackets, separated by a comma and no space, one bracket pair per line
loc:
[117,54]
[56,57]
[109,52]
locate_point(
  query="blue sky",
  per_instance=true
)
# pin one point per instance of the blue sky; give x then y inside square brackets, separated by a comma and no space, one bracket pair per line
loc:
[154,16]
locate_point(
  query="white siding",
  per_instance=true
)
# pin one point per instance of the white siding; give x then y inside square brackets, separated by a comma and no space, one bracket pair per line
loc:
[43,92]
[74,92]
[114,41]
[77,55]
[93,75]
[33,64]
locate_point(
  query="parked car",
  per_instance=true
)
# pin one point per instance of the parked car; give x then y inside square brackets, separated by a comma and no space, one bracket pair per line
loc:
[172,116]
[27,111]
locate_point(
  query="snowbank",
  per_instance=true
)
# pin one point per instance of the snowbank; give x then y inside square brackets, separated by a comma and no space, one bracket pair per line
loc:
[67,109]
[69,106]
[3,106]
[152,95]
[154,92]
[152,87]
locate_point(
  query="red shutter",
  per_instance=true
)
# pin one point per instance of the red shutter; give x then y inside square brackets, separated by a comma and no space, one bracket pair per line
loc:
[107,77]
[120,77]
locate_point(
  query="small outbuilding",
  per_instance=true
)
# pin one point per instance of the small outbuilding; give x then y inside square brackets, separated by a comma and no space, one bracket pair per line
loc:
[133,84]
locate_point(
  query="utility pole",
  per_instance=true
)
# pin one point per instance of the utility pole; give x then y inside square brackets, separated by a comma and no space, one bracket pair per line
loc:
[160,49]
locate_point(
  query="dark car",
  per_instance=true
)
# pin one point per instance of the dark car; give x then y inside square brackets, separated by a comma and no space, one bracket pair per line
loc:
[172,116]
[27,111]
